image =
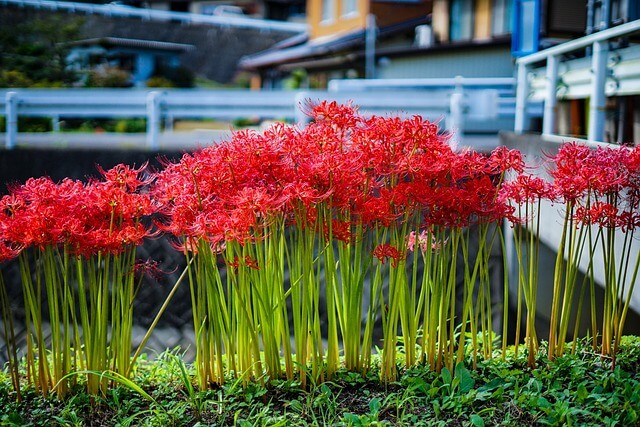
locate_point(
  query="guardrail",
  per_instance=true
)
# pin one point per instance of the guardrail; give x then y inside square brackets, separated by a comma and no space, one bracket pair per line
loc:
[160,15]
[597,70]
[457,106]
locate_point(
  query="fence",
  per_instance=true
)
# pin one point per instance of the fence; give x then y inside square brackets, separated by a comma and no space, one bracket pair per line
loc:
[458,101]
[609,71]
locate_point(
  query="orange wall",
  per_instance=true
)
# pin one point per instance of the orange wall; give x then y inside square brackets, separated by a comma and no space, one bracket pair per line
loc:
[482,27]
[338,24]
[386,14]
[440,20]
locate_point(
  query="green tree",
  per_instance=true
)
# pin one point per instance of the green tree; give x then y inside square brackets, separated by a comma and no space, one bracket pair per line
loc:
[33,51]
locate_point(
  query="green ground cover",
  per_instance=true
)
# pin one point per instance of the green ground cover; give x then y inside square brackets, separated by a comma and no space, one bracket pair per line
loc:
[572,390]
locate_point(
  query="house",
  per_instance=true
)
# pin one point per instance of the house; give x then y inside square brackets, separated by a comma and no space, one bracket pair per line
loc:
[590,90]
[415,39]
[140,58]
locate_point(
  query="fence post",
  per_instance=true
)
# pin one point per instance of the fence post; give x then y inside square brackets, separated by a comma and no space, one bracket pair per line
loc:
[597,103]
[55,123]
[550,100]
[153,119]
[11,111]
[300,101]
[455,122]
[522,91]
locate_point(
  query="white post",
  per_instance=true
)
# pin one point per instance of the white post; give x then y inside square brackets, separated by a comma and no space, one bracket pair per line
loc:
[522,91]
[598,100]
[11,112]
[55,123]
[153,119]
[300,100]
[550,99]
[456,119]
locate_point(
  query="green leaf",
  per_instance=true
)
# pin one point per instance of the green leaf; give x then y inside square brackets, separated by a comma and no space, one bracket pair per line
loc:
[352,419]
[476,420]
[374,406]
[582,393]
[446,376]
[466,380]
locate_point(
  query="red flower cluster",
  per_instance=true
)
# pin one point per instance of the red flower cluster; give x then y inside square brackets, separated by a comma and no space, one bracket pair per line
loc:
[603,184]
[343,169]
[373,170]
[85,218]
[385,251]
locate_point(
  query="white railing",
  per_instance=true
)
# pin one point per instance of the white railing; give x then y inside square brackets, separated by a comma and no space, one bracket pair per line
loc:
[598,73]
[456,106]
[160,15]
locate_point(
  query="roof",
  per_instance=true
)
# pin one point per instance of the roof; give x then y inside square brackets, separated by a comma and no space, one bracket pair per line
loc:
[318,49]
[133,43]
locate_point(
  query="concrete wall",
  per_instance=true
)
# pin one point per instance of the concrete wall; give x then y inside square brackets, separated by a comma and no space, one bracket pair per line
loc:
[536,149]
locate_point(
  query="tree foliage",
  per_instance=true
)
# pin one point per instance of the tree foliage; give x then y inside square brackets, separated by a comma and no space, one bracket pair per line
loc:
[34,51]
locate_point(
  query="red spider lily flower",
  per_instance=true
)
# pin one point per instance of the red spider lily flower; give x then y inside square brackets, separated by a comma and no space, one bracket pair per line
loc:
[608,171]
[150,268]
[503,159]
[373,211]
[632,161]
[340,230]
[339,115]
[386,251]
[247,261]
[629,220]
[527,189]
[603,214]
[7,253]
[125,177]
[568,171]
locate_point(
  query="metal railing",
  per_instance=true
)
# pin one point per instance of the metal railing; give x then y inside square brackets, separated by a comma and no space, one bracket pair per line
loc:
[457,105]
[160,15]
[599,72]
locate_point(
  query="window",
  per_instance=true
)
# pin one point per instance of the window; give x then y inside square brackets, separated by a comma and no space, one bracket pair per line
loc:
[328,7]
[461,20]
[349,7]
[501,16]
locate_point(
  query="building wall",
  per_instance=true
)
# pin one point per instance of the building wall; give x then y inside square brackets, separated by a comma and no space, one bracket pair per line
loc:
[491,61]
[394,13]
[338,23]
[440,20]
[482,27]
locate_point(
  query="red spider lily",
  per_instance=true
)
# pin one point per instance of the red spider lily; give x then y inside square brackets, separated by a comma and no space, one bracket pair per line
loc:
[609,173]
[386,251]
[629,219]
[7,253]
[340,230]
[339,115]
[579,170]
[247,261]
[569,180]
[149,268]
[503,159]
[527,189]
[603,214]
[98,216]
[125,177]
